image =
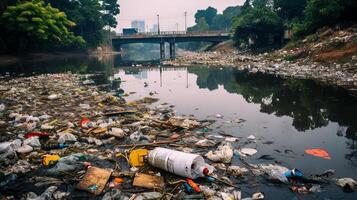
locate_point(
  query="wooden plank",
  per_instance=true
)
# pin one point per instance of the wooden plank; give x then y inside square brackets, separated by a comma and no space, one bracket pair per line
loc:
[94,180]
[148,181]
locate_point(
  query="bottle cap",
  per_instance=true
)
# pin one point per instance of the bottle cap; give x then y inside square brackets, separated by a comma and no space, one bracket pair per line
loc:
[205,171]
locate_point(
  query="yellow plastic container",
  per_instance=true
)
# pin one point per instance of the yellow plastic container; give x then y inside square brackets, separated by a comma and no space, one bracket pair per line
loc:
[137,157]
[50,159]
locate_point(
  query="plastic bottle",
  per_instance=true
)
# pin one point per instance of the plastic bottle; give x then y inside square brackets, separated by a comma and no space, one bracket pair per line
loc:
[180,163]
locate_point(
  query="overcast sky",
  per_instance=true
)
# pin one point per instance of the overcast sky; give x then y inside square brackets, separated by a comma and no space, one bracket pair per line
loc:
[171,11]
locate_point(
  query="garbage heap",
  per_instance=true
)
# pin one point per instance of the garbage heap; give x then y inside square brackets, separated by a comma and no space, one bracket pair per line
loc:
[61,137]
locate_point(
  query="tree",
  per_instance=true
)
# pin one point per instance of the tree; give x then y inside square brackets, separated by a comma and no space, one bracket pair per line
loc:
[318,13]
[207,14]
[220,22]
[322,12]
[111,9]
[90,16]
[349,10]
[260,24]
[35,24]
[232,12]
[288,9]
[224,21]
[201,25]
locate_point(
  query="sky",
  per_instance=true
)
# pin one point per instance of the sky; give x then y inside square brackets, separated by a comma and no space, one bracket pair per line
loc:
[171,12]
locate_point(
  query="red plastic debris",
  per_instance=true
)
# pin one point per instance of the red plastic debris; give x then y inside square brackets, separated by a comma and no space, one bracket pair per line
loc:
[84,122]
[318,153]
[33,134]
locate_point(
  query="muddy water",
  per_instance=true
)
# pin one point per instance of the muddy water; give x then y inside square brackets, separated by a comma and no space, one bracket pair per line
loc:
[286,115]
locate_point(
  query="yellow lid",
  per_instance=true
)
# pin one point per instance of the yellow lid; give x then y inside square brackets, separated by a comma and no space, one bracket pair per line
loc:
[137,157]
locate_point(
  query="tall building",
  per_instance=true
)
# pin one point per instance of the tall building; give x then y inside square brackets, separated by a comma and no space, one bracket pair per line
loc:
[139,25]
[154,28]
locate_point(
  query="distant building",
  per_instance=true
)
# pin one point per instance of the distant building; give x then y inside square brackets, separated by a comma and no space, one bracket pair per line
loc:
[139,25]
[154,28]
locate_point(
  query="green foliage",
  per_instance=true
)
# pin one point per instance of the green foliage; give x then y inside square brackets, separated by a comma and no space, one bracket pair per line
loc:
[88,17]
[224,21]
[111,9]
[349,10]
[260,24]
[318,13]
[200,26]
[209,19]
[288,9]
[36,24]
[207,14]
[289,58]
[232,12]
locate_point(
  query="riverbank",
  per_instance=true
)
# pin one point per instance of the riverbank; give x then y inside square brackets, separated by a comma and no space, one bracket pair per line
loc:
[327,56]
[8,59]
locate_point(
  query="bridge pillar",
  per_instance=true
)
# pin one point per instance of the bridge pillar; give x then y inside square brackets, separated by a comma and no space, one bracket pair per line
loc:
[162,50]
[117,47]
[172,50]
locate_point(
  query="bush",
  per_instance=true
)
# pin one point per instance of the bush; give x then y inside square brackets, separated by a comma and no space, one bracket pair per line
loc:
[36,25]
[317,14]
[258,23]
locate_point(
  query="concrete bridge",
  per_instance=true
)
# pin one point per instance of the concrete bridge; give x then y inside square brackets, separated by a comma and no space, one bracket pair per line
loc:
[172,38]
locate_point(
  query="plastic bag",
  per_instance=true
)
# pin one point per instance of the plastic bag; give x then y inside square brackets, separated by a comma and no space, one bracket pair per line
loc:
[69,163]
[224,153]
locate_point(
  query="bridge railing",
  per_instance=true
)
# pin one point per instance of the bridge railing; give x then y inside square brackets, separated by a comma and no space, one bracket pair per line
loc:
[171,33]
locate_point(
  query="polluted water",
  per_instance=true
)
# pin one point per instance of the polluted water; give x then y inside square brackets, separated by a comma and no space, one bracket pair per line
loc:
[64,136]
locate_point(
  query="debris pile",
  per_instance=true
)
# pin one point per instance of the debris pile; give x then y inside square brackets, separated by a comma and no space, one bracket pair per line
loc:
[63,138]
[328,56]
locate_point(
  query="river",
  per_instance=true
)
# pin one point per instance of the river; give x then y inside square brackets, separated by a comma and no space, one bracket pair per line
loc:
[286,115]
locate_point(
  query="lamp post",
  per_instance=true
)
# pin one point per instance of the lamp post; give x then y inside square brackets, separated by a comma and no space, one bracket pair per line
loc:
[185,20]
[158,24]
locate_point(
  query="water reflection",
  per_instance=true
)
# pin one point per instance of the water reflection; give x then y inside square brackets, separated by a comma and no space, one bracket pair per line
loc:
[309,104]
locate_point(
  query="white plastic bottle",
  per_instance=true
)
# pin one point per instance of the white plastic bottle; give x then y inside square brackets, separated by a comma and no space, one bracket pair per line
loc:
[180,163]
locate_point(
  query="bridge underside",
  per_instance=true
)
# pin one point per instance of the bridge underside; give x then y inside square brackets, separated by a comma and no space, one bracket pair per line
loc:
[117,42]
